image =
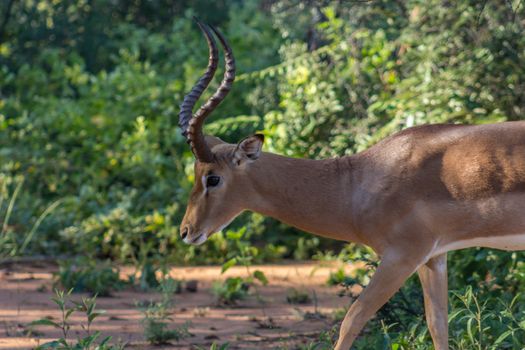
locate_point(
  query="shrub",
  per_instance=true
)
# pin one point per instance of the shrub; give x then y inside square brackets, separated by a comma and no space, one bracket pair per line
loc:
[87,275]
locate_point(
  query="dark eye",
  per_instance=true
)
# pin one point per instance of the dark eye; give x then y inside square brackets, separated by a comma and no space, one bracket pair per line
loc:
[212,180]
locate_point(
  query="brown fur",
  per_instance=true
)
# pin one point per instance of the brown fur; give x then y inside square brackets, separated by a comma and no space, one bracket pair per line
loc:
[411,197]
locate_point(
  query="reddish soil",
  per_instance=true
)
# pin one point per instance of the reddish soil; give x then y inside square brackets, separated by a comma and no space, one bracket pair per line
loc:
[26,289]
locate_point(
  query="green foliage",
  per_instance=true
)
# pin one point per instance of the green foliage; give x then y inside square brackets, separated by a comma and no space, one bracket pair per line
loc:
[90,340]
[231,290]
[236,288]
[87,275]
[339,278]
[12,244]
[485,315]
[364,260]
[157,316]
[488,269]
[295,296]
[94,125]
[305,248]
[88,117]
[325,341]
[487,322]
[476,321]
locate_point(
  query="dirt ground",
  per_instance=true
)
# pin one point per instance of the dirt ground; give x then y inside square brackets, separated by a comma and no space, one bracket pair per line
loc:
[26,289]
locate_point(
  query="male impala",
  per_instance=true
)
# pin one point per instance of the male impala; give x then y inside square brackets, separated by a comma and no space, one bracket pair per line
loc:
[412,197]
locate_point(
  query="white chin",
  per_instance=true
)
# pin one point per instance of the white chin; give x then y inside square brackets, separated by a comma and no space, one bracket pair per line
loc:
[200,240]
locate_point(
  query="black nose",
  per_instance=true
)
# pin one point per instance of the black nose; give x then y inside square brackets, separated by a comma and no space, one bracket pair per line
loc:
[184,232]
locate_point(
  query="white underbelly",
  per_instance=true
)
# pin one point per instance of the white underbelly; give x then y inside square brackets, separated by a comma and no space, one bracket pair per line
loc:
[509,242]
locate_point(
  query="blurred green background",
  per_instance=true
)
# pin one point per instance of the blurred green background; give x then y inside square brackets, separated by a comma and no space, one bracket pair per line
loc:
[92,162]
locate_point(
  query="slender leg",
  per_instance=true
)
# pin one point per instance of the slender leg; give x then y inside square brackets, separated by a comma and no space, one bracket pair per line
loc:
[433,277]
[393,271]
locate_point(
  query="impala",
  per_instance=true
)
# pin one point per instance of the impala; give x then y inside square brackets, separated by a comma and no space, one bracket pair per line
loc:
[412,197]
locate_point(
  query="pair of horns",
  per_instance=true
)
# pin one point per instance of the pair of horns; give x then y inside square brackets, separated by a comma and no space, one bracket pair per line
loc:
[191,124]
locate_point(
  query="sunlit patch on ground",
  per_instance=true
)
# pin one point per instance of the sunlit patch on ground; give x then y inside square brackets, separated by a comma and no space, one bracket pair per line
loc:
[26,289]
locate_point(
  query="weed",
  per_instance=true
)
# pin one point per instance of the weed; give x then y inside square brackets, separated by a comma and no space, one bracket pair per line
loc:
[231,290]
[148,279]
[477,321]
[487,322]
[294,296]
[236,288]
[325,341]
[157,315]
[68,307]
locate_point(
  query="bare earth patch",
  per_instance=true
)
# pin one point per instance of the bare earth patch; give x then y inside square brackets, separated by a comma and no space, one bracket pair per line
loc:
[26,289]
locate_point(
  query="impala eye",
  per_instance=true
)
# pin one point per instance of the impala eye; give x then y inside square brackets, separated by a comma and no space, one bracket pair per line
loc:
[212,180]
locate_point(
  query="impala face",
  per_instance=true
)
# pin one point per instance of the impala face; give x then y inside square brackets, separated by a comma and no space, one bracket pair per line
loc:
[217,195]
[207,212]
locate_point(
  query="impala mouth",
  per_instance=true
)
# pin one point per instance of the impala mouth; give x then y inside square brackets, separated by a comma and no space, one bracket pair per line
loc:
[203,237]
[200,239]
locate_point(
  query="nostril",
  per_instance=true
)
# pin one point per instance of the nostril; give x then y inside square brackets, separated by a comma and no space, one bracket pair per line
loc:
[184,232]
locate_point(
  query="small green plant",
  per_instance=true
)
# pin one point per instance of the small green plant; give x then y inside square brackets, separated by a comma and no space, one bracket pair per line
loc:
[68,307]
[157,315]
[487,322]
[236,288]
[294,296]
[87,275]
[231,290]
[325,341]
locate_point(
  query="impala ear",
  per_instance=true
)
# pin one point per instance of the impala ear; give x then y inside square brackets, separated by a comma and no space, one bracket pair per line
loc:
[249,149]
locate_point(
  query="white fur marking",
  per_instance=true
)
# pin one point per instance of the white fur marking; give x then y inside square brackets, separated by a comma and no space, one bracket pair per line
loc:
[509,242]
[200,239]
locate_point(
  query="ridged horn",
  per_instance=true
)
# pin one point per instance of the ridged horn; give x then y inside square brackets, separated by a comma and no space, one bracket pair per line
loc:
[194,124]
[201,151]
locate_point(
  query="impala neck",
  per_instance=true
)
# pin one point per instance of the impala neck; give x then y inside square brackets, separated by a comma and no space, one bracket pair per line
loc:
[312,195]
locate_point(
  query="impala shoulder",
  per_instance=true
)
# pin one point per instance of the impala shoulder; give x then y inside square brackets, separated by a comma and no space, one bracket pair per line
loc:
[419,143]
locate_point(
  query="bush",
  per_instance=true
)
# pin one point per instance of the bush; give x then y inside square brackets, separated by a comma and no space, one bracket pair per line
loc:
[97,129]
[87,275]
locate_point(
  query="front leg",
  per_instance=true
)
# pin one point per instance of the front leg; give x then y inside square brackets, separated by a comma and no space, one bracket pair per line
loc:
[396,266]
[433,276]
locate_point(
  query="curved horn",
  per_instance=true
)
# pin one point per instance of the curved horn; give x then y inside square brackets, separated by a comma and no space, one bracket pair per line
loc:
[185,114]
[195,135]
